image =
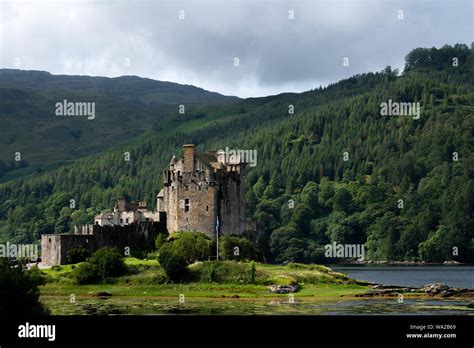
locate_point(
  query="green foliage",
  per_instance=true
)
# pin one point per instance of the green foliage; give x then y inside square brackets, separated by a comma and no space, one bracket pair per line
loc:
[251,272]
[19,293]
[228,272]
[77,254]
[194,246]
[104,264]
[174,262]
[237,248]
[159,240]
[183,249]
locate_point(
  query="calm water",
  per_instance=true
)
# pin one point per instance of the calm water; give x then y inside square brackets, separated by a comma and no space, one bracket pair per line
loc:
[409,275]
[387,306]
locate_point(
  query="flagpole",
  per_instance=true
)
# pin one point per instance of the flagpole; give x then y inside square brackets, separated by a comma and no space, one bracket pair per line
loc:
[217,238]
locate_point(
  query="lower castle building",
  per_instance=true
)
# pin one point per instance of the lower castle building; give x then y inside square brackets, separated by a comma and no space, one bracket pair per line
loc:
[202,192]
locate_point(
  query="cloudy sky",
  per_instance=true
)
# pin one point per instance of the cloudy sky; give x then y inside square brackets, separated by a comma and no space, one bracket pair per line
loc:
[281,46]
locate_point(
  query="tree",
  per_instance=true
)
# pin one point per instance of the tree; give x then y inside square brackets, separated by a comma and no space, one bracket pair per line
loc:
[19,292]
[194,246]
[237,248]
[105,263]
[343,201]
[173,262]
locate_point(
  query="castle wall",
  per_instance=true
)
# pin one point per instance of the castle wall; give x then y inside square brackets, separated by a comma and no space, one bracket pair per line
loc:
[54,247]
[171,206]
[201,212]
[231,204]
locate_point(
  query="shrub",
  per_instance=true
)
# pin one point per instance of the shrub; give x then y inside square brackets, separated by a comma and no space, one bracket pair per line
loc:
[103,264]
[245,251]
[173,262]
[77,254]
[194,246]
[212,274]
[223,272]
[159,241]
[182,249]
[85,274]
[252,272]
[19,293]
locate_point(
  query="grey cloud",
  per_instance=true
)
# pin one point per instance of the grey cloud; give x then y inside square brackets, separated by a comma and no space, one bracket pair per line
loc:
[276,54]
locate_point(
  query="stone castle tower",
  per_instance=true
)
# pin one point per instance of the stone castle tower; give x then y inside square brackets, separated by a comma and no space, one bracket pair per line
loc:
[201,190]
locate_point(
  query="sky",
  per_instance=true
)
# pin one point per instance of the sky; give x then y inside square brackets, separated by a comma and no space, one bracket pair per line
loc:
[241,47]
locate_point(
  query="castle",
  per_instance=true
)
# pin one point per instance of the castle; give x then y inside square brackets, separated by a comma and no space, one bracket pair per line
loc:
[201,192]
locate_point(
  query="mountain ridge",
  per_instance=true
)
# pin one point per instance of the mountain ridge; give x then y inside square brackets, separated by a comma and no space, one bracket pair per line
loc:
[300,157]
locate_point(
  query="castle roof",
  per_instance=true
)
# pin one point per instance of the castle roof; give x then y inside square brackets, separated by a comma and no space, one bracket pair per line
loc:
[105,214]
[207,159]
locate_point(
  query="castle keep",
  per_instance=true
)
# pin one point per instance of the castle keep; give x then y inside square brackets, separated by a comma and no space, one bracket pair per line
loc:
[202,192]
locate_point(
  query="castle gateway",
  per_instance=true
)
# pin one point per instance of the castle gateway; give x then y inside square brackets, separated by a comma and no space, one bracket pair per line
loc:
[202,192]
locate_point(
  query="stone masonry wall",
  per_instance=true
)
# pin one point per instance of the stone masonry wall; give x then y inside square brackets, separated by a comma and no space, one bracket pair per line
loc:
[54,247]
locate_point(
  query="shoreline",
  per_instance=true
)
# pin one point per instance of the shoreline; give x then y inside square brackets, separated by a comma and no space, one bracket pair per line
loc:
[400,263]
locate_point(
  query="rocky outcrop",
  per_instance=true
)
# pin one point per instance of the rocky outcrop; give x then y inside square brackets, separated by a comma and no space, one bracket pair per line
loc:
[437,289]
[283,289]
[443,290]
[388,291]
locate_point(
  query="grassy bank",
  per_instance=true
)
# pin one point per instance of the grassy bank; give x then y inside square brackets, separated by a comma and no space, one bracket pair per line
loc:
[147,282]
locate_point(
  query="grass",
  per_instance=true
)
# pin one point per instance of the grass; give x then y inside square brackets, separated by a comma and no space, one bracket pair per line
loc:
[322,291]
[147,279]
[145,290]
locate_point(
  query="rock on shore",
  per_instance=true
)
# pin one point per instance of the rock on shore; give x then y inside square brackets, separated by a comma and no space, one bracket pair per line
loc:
[283,289]
[437,289]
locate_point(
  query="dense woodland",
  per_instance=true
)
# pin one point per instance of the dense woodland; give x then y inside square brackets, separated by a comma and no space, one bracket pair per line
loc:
[406,189]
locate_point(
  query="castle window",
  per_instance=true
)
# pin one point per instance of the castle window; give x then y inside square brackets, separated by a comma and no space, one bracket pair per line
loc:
[121,221]
[186,204]
[126,220]
[50,240]
[207,208]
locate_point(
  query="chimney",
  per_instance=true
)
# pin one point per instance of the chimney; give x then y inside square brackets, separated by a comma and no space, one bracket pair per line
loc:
[189,154]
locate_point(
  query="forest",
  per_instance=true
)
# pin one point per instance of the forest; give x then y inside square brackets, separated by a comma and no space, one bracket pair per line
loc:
[330,167]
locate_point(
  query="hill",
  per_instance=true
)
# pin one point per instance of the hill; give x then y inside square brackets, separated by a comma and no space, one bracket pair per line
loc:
[401,185]
[125,108]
